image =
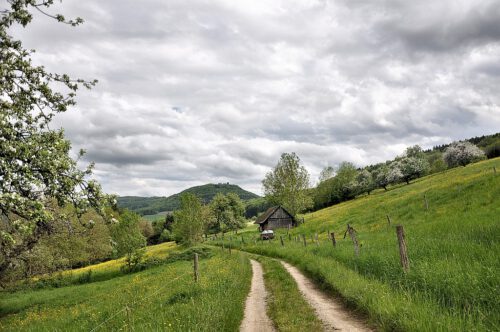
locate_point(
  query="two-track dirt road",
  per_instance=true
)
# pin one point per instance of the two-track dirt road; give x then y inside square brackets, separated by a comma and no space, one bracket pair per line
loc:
[329,310]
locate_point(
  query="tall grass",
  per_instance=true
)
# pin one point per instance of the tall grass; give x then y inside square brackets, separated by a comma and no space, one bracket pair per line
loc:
[453,282]
[160,298]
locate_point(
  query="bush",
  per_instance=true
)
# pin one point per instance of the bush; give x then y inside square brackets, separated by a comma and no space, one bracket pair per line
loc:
[462,153]
[166,236]
[134,260]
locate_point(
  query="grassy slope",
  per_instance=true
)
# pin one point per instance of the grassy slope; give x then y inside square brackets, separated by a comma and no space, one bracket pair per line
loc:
[454,279]
[160,298]
[99,272]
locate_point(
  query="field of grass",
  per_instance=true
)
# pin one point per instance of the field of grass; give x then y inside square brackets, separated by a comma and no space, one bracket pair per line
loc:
[287,308]
[164,297]
[453,282]
[155,217]
[101,271]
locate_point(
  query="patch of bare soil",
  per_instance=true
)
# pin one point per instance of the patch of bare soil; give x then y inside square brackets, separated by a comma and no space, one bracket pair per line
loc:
[256,319]
[329,310]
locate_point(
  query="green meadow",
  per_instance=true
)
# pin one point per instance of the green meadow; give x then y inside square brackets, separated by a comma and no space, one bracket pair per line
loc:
[163,297]
[453,247]
[451,285]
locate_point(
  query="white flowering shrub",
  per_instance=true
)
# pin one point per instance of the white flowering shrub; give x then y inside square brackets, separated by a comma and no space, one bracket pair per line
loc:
[462,153]
[394,174]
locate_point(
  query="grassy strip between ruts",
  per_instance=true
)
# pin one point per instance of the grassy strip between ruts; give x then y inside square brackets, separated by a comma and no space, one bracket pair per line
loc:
[286,306]
[160,298]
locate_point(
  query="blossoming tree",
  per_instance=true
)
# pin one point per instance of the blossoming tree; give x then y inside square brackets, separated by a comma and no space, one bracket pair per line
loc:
[37,173]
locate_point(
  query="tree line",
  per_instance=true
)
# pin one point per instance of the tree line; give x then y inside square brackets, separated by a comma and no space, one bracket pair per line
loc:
[288,184]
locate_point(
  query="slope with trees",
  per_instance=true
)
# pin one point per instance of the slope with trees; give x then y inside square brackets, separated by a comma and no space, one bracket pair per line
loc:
[154,205]
[452,246]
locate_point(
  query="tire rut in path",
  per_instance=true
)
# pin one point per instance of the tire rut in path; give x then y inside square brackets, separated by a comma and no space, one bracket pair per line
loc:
[330,311]
[256,319]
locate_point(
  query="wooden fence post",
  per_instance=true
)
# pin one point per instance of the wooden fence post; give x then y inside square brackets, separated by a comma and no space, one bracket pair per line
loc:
[388,219]
[196,276]
[332,236]
[304,238]
[128,312]
[352,234]
[494,170]
[403,254]
[281,239]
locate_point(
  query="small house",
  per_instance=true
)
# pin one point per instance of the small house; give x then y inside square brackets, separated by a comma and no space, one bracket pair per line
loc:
[275,217]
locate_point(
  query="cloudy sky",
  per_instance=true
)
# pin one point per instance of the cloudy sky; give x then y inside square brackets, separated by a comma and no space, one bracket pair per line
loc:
[192,92]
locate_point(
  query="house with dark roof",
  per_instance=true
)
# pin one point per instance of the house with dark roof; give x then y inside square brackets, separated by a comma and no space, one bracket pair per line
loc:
[275,217]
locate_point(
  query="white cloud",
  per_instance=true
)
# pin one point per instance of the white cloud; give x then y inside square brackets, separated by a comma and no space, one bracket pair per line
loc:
[196,92]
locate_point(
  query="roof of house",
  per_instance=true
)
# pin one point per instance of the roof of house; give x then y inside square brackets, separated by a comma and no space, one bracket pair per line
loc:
[269,212]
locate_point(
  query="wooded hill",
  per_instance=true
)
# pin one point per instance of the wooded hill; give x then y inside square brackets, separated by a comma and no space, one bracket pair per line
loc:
[153,205]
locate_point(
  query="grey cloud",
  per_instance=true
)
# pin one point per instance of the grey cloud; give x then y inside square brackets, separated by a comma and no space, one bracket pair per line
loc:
[448,26]
[354,80]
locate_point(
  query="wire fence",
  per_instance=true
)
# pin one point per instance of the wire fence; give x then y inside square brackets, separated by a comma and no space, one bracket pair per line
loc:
[342,242]
[128,307]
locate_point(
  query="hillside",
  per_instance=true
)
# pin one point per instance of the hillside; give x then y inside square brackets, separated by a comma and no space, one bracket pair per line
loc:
[453,249]
[153,205]
[161,298]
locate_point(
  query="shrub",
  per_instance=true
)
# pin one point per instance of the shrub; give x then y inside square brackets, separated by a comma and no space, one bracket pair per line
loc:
[461,154]
[166,236]
[134,260]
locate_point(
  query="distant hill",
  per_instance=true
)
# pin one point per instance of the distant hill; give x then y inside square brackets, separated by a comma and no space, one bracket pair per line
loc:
[153,205]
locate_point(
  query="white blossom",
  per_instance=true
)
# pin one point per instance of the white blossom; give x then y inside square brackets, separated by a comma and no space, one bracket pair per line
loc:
[462,153]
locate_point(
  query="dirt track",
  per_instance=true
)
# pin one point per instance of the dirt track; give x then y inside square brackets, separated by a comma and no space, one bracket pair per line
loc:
[329,311]
[256,319]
